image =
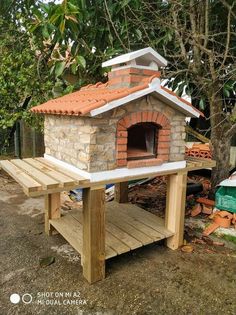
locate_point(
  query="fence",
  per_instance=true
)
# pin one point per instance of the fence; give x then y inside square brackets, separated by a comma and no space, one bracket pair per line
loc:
[25,142]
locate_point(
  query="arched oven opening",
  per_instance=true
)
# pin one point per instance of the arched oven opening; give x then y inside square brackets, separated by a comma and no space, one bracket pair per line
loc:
[142,141]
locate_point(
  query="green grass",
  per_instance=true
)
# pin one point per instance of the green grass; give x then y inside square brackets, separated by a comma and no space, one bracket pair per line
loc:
[229,238]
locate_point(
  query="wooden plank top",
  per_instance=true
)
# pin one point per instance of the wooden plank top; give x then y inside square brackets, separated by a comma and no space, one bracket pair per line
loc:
[39,177]
[26,181]
[123,233]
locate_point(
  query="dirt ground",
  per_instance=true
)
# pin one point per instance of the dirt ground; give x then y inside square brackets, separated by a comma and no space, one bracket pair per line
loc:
[150,281]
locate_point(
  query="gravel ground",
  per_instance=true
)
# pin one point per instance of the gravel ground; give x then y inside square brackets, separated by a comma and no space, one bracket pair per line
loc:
[149,281]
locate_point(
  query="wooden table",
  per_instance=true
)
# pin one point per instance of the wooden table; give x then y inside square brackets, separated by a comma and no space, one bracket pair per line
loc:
[101,231]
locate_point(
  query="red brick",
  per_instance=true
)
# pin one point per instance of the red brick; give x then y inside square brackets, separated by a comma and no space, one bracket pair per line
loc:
[164,121]
[122,147]
[115,80]
[122,141]
[154,116]
[144,116]
[149,118]
[111,74]
[122,162]
[120,127]
[167,126]
[127,121]
[159,119]
[133,119]
[139,117]
[164,157]
[161,151]
[128,71]
[136,78]
[122,134]
[163,138]
[150,72]
[121,155]
[126,79]
[164,132]
[163,145]
[144,163]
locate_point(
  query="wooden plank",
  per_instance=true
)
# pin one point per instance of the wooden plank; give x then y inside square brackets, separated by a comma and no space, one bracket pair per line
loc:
[196,134]
[26,181]
[146,217]
[94,234]
[175,209]
[130,230]
[155,235]
[121,192]
[52,210]
[78,215]
[71,230]
[62,170]
[46,181]
[127,239]
[138,240]
[116,244]
[63,179]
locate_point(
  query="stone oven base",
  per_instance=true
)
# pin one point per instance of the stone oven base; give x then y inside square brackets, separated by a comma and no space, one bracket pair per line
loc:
[127,227]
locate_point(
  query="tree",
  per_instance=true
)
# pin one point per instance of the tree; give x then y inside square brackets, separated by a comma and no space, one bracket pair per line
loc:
[197,37]
[24,79]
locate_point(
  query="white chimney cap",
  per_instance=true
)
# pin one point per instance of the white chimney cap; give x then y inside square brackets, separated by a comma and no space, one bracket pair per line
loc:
[143,57]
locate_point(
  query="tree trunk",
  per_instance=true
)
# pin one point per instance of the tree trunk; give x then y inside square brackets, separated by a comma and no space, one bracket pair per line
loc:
[221,154]
[220,142]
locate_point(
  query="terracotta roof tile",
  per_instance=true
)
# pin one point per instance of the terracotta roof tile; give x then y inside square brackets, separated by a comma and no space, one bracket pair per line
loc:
[86,99]
[91,97]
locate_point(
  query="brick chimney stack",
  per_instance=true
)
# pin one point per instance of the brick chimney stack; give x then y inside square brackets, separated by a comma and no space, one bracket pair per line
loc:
[134,68]
[130,77]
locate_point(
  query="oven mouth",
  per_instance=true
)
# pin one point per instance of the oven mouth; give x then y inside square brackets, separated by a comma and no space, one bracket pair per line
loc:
[142,141]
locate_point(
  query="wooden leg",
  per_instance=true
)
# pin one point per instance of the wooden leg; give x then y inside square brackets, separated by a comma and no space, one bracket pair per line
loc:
[94,234]
[121,192]
[175,209]
[52,210]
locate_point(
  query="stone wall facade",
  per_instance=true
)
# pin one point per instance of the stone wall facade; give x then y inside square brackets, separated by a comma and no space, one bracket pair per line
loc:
[90,143]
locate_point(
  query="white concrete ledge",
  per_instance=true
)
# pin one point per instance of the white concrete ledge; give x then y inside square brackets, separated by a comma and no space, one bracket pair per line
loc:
[119,172]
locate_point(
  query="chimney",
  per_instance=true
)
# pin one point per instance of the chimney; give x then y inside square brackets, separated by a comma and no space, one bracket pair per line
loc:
[134,68]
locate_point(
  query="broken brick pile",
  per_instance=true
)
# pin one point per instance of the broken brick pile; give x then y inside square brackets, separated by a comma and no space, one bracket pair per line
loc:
[199,151]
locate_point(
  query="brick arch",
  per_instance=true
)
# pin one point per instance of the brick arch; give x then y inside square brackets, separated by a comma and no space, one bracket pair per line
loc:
[145,116]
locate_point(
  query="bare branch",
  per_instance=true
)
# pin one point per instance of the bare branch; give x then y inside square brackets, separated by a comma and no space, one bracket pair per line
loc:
[231,131]
[206,23]
[113,26]
[228,36]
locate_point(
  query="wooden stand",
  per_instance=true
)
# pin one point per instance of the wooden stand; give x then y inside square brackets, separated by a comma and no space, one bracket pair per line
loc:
[175,208]
[127,226]
[93,259]
[52,210]
[121,192]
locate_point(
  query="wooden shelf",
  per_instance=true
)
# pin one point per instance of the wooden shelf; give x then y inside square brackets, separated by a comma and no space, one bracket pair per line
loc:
[37,176]
[127,227]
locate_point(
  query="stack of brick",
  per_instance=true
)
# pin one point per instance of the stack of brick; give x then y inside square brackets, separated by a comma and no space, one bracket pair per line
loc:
[199,151]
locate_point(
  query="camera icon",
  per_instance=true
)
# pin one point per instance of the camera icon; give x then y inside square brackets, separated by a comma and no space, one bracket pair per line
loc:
[26,298]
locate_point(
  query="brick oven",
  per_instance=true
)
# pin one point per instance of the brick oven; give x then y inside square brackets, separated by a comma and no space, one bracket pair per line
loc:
[128,128]
[125,125]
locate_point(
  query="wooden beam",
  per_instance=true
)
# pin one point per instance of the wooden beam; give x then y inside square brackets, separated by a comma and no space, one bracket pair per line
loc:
[52,210]
[196,134]
[175,208]
[121,192]
[94,234]
[26,181]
